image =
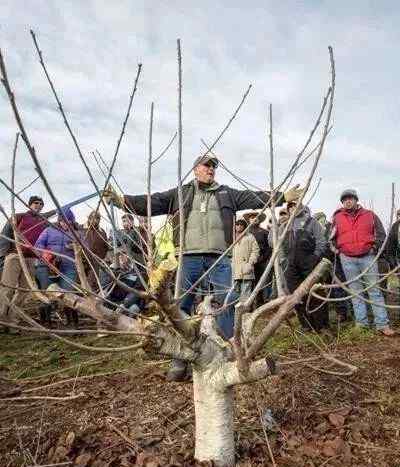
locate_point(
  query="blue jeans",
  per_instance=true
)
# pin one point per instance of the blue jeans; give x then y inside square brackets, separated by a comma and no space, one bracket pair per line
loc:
[217,282]
[67,268]
[352,267]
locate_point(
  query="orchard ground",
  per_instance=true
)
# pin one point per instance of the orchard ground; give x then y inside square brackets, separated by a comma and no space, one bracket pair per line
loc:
[119,411]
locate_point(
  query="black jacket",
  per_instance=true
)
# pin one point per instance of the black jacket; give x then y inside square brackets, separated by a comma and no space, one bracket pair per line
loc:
[229,200]
[261,236]
[393,246]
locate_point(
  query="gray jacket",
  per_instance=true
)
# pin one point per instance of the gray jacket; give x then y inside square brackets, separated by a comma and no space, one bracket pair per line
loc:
[303,220]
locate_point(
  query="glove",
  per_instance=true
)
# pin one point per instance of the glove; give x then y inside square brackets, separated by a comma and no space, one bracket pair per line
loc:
[110,195]
[293,194]
[48,257]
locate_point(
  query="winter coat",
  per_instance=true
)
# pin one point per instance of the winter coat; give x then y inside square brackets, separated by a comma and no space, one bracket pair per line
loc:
[30,226]
[261,235]
[244,257]
[229,201]
[305,226]
[56,240]
[133,242]
[357,232]
[96,240]
[164,245]
[393,245]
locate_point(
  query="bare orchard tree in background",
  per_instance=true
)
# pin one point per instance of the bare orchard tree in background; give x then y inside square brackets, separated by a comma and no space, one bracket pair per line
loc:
[218,364]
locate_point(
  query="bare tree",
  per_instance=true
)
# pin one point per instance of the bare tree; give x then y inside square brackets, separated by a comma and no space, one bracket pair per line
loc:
[218,364]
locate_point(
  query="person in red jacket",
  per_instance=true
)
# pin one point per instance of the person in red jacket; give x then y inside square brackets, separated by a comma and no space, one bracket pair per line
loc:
[357,235]
[29,225]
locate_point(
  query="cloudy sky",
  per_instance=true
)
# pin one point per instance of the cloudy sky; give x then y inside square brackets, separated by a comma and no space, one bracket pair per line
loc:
[92,49]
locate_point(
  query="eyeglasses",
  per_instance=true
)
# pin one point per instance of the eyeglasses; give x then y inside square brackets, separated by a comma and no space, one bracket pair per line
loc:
[38,202]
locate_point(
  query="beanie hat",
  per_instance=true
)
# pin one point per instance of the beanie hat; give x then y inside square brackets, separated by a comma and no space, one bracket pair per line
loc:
[350,193]
[34,198]
[68,214]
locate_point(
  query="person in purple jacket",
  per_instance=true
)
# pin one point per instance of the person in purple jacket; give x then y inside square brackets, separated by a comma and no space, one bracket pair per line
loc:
[55,241]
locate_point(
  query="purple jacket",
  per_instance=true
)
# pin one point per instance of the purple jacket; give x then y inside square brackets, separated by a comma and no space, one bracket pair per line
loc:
[56,240]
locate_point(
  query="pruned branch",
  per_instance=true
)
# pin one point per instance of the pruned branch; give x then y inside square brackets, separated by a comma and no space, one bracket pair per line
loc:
[287,307]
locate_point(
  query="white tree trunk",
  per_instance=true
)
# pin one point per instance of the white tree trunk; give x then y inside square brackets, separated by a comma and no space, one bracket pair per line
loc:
[214,421]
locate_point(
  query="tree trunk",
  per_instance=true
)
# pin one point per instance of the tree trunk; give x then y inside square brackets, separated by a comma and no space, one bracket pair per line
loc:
[214,421]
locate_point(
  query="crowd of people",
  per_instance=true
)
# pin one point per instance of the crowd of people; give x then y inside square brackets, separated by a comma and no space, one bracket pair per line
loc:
[237,249]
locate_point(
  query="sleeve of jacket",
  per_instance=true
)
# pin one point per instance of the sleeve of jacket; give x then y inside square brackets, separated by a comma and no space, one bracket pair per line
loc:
[5,244]
[320,241]
[391,245]
[161,203]
[380,233]
[255,251]
[247,199]
[41,242]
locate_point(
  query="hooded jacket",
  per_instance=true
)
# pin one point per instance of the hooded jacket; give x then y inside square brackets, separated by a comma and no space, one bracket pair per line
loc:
[393,245]
[303,221]
[56,240]
[356,233]
[229,202]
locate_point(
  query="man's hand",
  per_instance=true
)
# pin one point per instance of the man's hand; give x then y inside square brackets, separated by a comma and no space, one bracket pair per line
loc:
[293,194]
[110,195]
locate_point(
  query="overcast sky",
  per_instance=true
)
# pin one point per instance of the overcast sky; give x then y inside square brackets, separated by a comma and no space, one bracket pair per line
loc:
[92,49]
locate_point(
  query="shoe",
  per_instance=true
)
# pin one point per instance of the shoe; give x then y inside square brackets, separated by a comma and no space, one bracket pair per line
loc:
[177,371]
[387,331]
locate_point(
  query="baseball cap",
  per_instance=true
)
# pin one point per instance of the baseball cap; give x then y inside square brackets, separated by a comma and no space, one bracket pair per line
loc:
[206,158]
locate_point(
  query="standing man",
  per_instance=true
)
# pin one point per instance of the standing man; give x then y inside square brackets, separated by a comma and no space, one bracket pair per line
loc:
[209,212]
[341,307]
[96,241]
[358,234]
[305,245]
[393,243]
[29,225]
[131,243]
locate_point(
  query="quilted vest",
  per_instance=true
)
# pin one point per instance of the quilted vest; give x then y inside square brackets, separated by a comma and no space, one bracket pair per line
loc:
[355,234]
[204,231]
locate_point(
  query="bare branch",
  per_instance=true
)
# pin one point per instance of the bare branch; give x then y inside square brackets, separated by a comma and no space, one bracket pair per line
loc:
[331,94]
[122,130]
[277,267]
[180,191]
[149,163]
[22,260]
[165,150]
[287,307]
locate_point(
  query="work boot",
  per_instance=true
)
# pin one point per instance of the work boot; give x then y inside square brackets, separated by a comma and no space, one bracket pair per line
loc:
[177,371]
[387,331]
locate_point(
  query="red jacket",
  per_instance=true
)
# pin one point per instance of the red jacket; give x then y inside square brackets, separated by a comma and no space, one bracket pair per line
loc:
[30,226]
[357,232]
